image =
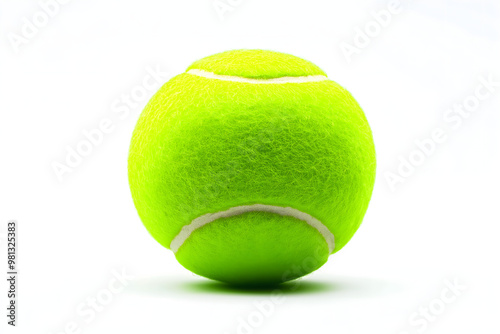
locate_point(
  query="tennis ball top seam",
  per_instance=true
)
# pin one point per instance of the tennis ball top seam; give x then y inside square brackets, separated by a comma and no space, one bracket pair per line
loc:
[276,80]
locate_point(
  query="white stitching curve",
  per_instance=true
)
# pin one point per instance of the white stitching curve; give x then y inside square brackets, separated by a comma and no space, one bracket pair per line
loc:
[186,230]
[281,80]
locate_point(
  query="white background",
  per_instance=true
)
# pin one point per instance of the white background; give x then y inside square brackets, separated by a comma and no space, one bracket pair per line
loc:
[441,224]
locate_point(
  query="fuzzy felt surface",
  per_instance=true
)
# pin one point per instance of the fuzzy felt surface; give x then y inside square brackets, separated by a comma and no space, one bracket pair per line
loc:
[204,145]
[256,64]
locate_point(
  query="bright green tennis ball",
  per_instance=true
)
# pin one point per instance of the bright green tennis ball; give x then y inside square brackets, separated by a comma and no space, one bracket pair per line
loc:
[252,167]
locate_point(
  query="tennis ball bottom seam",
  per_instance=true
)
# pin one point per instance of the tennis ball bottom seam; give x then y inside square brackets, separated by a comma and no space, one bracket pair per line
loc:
[208,218]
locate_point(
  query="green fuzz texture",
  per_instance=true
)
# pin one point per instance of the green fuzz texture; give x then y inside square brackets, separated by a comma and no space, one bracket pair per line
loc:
[256,64]
[254,248]
[205,145]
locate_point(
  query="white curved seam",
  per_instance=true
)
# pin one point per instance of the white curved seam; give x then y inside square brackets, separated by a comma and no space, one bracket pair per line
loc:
[238,210]
[281,80]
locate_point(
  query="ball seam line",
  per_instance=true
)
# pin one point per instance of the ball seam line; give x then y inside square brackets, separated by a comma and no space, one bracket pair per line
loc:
[186,230]
[280,80]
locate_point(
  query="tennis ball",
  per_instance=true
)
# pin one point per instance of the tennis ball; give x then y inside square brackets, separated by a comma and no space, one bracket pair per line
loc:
[252,167]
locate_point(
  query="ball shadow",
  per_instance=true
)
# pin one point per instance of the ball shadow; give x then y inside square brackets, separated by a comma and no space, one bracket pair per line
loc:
[352,287]
[294,287]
